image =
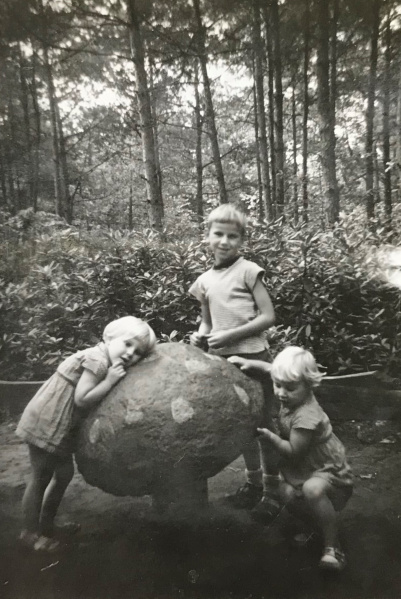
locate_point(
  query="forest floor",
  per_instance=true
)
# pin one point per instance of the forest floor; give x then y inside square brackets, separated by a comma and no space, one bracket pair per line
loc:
[123,552]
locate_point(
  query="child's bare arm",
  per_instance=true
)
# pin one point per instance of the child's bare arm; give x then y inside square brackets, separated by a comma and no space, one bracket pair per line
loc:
[89,391]
[247,365]
[297,445]
[263,320]
[198,337]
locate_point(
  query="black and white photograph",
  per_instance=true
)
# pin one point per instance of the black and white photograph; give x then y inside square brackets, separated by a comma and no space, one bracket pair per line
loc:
[200,299]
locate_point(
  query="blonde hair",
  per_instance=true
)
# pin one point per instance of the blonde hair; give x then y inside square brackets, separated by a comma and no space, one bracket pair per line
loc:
[294,364]
[130,327]
[227,213]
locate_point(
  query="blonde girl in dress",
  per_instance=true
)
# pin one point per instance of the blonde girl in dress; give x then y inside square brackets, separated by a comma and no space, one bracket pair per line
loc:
[50,421]
[313,464]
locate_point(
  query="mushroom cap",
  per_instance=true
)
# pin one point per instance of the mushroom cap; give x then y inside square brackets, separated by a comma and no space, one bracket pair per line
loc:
[178,408]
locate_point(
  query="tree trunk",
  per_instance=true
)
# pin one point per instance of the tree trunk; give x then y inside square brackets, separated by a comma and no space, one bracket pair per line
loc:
[37,139]
[327,134]
[294,153]
[3,182]
[260,105]
[210,117]
[270,71]
[64,176]
[24,99]
[59,204]
[398,138]
[153,105]
[386,123]
[370,111]
[12,167]
[198,148]
[333,60]
[154,197]
[258,169]
[280,157]
[305,116]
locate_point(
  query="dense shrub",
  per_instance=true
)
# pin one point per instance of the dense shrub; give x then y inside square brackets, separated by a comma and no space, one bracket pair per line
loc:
[69,285]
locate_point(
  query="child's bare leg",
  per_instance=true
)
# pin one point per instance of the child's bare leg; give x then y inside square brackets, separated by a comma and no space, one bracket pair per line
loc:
[316,493]
[42,471]
[251,455]
[63,473]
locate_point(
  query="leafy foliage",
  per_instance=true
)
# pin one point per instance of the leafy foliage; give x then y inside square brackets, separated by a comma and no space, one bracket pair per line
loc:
[71,284]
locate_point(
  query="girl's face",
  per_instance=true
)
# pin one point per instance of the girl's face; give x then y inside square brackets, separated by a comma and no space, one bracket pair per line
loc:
[225,239]
[129,351]
[291,394]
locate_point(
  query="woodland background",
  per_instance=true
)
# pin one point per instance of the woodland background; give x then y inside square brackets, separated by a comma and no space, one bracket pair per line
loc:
[123,122]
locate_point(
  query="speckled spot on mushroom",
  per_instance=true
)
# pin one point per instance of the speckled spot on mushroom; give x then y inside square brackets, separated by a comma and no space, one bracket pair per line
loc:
[94,431]
[181,410]
[195,366]
[242,394]
[133,414]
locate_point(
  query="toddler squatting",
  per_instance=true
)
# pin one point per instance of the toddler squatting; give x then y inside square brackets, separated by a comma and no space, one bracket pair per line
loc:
[315,478]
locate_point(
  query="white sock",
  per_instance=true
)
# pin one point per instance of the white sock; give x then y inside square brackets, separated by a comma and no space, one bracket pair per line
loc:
[254,477]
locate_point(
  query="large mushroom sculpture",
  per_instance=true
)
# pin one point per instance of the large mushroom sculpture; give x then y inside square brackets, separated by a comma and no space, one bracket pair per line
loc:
[178,417]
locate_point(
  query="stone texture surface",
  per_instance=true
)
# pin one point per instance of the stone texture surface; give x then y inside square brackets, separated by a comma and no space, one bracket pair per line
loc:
[179,415]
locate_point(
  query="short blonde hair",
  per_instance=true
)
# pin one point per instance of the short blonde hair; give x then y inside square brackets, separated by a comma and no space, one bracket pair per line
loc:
[227,213]
[294,364]
[130,327]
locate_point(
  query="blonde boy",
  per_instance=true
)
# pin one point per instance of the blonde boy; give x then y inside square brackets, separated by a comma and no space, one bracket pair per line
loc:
[236,310]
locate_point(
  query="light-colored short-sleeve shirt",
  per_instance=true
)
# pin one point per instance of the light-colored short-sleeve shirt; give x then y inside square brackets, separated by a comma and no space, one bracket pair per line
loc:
[325,457]
[229,295]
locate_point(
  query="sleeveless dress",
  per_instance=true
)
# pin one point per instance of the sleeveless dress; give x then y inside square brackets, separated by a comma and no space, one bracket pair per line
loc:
[325,458]
[51,418]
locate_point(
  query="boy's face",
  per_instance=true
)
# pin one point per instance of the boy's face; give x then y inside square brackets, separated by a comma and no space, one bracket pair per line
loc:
[129,351]
[291,394]
[225,240]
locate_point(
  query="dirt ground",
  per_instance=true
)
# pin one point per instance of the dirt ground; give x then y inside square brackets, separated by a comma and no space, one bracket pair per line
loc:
[124,552]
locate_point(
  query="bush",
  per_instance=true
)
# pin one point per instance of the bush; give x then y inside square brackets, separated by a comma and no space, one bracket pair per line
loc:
[73,284]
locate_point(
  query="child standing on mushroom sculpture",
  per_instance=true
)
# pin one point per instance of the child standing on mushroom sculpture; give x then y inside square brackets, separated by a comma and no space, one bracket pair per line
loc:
[50,421]
[315,478]
[236,310]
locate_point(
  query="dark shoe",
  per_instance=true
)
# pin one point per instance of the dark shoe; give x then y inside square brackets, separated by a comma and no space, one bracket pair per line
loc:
[246,497]
[266,510]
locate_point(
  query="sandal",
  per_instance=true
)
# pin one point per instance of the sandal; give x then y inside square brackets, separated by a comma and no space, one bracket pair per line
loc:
[332,559]
[47,545]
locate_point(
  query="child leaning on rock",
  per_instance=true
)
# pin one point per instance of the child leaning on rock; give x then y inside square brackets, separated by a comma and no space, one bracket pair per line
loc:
[316,479]
[50,421]
[236,310]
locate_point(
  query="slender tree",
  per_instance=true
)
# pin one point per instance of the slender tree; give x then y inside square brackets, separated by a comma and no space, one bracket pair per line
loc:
[198,148]
[260,110]
[294,152]
[370,111]
[327,134]
[210,116]
[386,120]
[258,169]
[154,197]
[271,108]
[278,96]
[305,112]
